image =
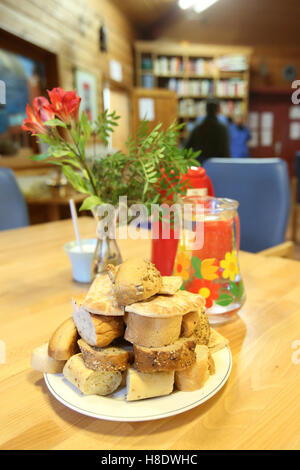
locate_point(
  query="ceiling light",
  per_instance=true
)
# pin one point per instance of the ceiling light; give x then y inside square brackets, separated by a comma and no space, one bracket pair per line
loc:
[197,5]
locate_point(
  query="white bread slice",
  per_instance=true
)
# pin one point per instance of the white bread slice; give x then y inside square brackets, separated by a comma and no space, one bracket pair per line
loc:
[189,323]
[194,377]
[216,341]
[152,332]
[97,330]
[140,386]
[163,306]
[109,359]
[100,298]
[63,342]
[170,285]
[177,356]
[90,382]
[41,361]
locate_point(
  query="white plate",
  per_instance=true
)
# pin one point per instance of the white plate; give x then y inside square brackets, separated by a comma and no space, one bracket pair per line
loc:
[116,408]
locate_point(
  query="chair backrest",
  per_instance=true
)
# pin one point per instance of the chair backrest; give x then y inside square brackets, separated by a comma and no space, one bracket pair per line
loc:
[13,208]
[261,185]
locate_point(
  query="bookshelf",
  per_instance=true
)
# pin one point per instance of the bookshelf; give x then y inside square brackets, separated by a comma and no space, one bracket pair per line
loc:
[196,73]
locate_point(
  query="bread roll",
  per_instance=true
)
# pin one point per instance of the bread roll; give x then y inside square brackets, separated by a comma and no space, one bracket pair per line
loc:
[109,359]
[170,285]
[163,306]
[140,386]
[189,323]
[88,381]
[135,280]
[63,342]
[97,330]
[152,332]
[216,341]
[100,298]
[194,377]
[41,361]
[177,356]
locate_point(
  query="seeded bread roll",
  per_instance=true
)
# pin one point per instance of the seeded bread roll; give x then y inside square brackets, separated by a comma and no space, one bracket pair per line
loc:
[97,330]
[202,330]
[194,377]
[152,332]
[41,361]
[63,342]
[189,323]
[88,381]
[108,359]
[135,280]
[140,386]
[177,356]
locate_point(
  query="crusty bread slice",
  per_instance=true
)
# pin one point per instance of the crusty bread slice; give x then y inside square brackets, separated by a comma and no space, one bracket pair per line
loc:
[195,376]
[100,298]
[202,330]
[41,361]
[90,382]
[170,285]
[63,342]
[109,359]
[177,356]
[163,306]
[135,280]
[151,332]
[189,323]
[140,386]
[97,330]
[216,341]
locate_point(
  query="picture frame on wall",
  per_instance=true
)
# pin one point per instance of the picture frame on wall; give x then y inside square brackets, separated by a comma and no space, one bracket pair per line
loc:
[86,87]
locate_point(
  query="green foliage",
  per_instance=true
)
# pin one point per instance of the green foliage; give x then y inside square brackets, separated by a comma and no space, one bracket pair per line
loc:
[149,172]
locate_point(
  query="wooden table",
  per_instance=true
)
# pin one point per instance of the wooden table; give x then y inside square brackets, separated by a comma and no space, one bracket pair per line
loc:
[257,409]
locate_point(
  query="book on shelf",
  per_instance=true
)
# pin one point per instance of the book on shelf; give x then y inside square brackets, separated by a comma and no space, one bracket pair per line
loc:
[203,87]
[232,87]
[233,63]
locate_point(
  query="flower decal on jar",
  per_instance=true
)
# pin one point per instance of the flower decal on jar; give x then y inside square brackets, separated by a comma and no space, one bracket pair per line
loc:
[230,266]
[182,266]
[208,290]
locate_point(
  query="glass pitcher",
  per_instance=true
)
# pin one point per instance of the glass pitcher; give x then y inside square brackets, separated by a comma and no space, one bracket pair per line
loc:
[207,255]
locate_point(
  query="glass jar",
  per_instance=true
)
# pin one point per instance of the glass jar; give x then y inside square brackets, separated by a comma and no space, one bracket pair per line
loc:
[207,255]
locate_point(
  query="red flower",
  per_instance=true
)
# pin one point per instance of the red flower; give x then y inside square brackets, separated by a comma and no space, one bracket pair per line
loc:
[64,104]
[208,289]
[37,116]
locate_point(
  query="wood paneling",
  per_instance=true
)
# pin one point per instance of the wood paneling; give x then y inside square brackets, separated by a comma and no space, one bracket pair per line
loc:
[70,29]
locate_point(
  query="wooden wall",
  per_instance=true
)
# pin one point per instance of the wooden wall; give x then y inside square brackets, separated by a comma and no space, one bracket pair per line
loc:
[270,27]
[70,29]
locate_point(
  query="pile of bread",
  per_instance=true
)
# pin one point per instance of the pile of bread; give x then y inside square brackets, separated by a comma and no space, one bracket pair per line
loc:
[133,328]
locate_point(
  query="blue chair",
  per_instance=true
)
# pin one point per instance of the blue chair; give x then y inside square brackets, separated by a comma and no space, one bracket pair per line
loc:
[13,208]
[261,185]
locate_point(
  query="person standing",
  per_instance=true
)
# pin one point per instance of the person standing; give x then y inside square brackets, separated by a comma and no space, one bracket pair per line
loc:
[239,136]
[210,136]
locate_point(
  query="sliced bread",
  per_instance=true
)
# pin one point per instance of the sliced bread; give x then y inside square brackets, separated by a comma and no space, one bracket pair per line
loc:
[90,382]
[109,359]
[189,323]
[163,306]
[63,342]
[41,361]
[100,298]
[176,356]
[195,376]
[152,332]
[97,330]
[170,285]
[202,330]
[140,386]
[216,341]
